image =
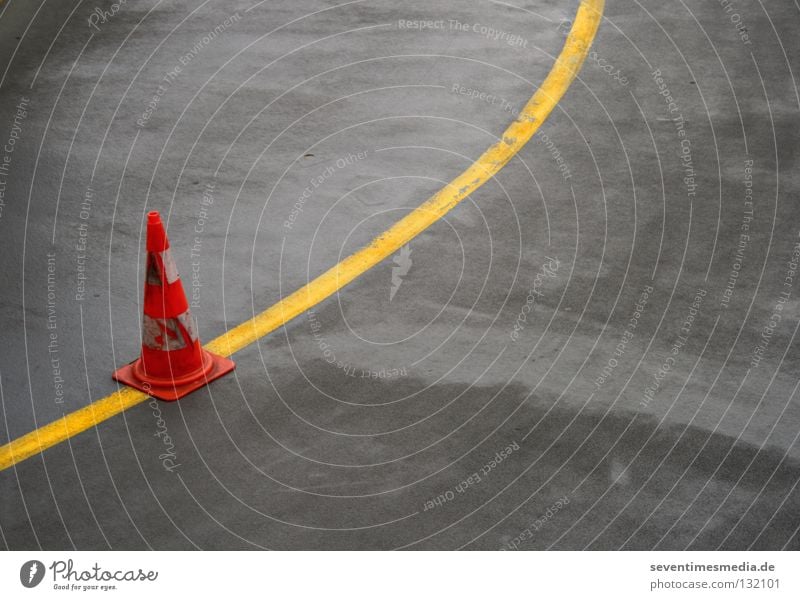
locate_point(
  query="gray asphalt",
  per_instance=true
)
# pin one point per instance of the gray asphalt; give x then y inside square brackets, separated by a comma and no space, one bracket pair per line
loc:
[596,350]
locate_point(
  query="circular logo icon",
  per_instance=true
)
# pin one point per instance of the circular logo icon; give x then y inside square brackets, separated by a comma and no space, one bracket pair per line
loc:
[31,573]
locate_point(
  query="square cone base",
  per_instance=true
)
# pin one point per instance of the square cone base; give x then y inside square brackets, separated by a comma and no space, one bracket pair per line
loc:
[169,390]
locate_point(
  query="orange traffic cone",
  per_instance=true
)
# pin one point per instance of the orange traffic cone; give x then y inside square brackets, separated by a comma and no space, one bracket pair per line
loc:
[173,363]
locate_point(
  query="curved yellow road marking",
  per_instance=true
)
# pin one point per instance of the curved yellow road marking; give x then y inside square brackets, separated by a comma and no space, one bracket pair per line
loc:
[490,162]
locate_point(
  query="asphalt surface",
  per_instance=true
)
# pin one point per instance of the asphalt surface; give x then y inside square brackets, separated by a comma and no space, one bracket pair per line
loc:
[596,350]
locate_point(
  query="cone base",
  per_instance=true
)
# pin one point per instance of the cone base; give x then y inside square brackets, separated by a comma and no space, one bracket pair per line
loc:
[132,374]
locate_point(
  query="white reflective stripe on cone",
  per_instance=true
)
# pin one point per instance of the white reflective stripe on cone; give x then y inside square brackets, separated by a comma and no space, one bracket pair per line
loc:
[155,268]
[153,275]
[170,269]
[188,324]
[163,334]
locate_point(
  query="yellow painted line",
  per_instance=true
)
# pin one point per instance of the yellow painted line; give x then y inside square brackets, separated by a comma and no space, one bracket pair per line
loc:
[489,164]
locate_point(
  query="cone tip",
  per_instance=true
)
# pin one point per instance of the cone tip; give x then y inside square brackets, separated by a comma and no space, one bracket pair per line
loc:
[156,235]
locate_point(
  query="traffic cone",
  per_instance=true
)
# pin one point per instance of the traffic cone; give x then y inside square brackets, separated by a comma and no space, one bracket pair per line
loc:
[173,363]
